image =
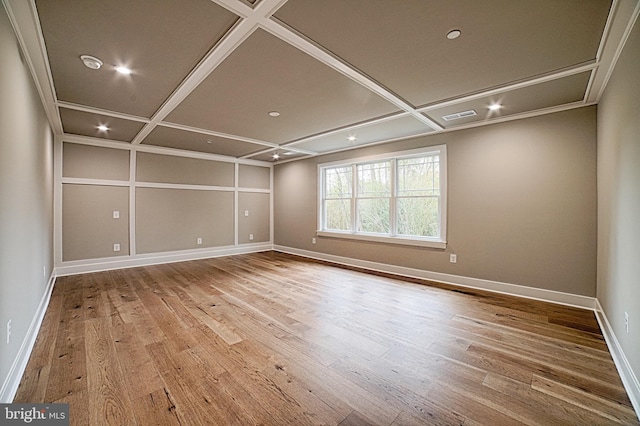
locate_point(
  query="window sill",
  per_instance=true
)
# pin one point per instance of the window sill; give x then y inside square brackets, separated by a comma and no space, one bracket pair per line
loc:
[418,242]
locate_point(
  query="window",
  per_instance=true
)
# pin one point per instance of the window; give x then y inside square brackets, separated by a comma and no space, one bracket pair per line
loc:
[396,198]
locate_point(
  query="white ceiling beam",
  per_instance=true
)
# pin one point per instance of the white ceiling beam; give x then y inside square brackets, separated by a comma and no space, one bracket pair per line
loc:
[622,17]
[522,84]
[288,35]
[217,134]
[26,25]
[99,111]
[238,34]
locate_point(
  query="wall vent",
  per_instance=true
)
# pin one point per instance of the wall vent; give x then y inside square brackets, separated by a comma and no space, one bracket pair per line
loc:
[458,115]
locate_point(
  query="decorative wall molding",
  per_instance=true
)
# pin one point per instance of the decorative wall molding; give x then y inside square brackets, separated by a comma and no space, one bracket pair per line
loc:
[12,381]
[122,262]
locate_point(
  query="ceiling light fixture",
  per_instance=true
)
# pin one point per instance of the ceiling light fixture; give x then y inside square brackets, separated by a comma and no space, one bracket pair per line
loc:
[123,70]
[352,138]
[275,156]
[494,107]
[453,34]
[91,62]
[103,128]
[209,141]
[274,114]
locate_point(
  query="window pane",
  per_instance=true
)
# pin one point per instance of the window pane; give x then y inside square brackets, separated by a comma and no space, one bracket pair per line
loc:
[374,179]
[419,176]
[373,215]
[338,214]
[338,182]
[418,216]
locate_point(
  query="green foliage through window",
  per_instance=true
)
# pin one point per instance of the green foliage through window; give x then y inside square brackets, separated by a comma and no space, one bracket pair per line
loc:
[396,197]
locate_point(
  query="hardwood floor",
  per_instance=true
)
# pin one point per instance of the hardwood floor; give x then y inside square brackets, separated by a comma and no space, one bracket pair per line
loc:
[276,339]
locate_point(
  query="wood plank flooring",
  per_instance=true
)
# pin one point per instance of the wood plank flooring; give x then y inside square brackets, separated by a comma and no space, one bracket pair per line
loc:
[275,339]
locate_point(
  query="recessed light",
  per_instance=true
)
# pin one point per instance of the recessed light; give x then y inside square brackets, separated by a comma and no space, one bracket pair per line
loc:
[123,70]
[453,34]
[209,141]
[91,62]
[494,107]
[352,138]
[274,114]
[275,156]
[103,128]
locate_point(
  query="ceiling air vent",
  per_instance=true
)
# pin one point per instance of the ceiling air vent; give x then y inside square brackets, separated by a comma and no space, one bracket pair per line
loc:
[458,115]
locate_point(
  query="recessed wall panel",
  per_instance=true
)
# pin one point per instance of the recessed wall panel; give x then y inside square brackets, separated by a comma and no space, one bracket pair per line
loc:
[254,177]
[94,162]
[182,170]
[174,219]
[89,229]
[253,210]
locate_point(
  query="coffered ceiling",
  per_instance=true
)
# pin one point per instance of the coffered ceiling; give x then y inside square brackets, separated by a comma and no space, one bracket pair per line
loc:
[306,77]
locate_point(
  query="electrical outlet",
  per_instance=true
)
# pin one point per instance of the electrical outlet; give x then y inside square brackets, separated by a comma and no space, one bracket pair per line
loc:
[199,241]
[8,331]
[250,237]
[626,322]
[116,214]
[453,258]
[313,240]
[246,213]
[116,247]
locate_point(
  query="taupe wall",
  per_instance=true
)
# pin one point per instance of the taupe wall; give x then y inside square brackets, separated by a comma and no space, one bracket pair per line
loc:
[26,198]
[173,219]
[619,199]
[89,229]
[521,207]
[169,216]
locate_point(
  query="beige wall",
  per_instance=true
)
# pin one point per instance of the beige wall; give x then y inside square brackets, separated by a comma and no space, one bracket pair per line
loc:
[521,207]
[253,177]
[167,218]
[89,229]
[94,162]
[619,199]
[182,170]
[26,199]
[173,219]
[253,217]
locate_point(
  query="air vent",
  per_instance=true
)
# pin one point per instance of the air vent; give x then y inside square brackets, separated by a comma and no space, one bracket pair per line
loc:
[458,115]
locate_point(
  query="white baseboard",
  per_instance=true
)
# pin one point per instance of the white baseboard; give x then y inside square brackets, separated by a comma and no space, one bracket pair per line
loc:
[629,379]
[12,381]
[476,283]
[123,262]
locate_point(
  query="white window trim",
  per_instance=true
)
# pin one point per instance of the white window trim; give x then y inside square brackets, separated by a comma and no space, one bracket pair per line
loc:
[439,243]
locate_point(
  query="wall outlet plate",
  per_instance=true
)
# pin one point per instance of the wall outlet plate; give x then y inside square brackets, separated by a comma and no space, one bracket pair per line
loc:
[116,247]
[199,241]
[626,322]
[453,258]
